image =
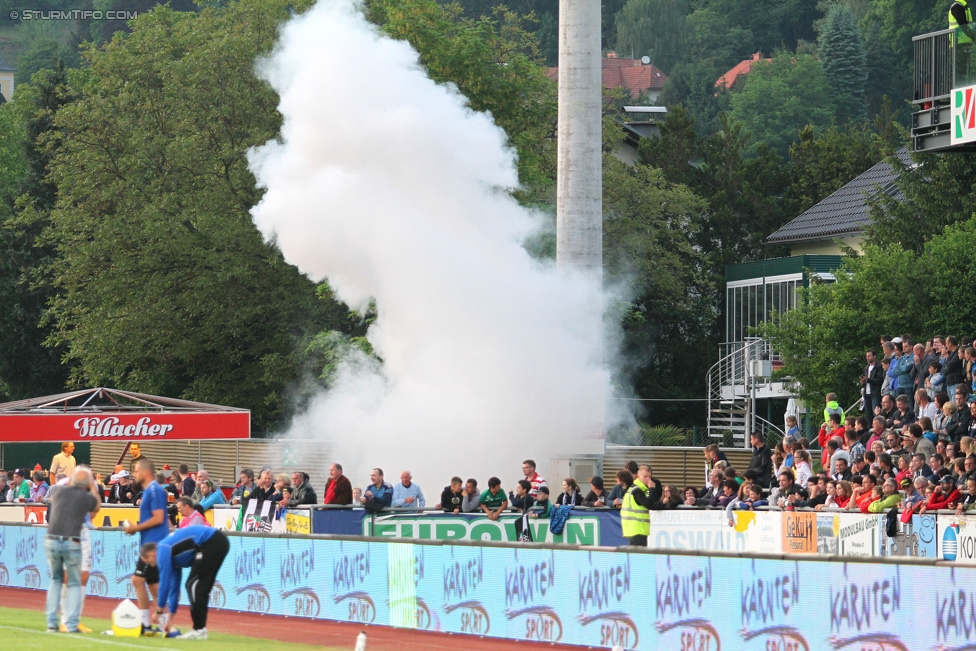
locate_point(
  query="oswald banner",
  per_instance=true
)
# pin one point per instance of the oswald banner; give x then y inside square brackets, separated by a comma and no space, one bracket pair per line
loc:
[571,596]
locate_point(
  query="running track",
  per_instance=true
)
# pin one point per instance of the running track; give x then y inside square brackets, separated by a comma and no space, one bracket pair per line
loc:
[296,629]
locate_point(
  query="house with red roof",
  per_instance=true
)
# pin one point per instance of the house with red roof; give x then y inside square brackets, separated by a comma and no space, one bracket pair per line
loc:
[738,72]
[638,76]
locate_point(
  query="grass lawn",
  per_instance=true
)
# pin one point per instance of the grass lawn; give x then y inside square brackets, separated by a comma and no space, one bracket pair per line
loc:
[26,629]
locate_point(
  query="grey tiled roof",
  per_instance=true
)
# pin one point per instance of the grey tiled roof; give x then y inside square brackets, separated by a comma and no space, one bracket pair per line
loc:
[846,210]
[5,66]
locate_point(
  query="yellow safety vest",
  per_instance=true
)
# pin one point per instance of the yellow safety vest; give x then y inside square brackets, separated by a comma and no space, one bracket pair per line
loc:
[961,37]
[635,520]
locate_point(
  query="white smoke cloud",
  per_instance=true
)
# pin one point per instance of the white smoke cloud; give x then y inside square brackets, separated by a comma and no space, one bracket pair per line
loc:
[392,188]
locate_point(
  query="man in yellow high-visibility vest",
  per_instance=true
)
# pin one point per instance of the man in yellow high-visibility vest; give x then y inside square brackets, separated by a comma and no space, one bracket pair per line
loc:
[635,517]
[961,17]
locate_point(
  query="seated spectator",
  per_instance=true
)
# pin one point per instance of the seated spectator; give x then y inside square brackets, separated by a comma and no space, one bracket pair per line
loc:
[860,465]
[670,499]
[787,486]
[712,455]
[338,488]
[570,495]
[616,497]
[691,496]
[190,513]
[407,494]
[357,495]
[890,497]
[748,478]
[862,427]
[815,497]
[282,485]
[937,465]
[861,495]
[123,492]
[710,495]
[957,426]
[924,407]
[211,495]
[841,471]
[542,500]
[918,468]
[472,497]
[452,497]
[753,498]
[903,413]
[852,442]
[945,496]
[597,495]
[968,470]
[729,488]
[264,489]
[972,420]
[38,492]
[914,493]
[968,502]
[965,446]
[493,501]
[927,431]
[887,410]
[379,494]
[878,426]
[202,476]
[842,494]
[730,473]
[625,479]
[244,487]
[902,469]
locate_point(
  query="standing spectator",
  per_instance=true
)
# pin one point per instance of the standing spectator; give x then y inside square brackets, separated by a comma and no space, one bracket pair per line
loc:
[357,495]
[243,490]
[407,494]
[190,513]
[378,495]
[792,427]
[171,492]
[472,497]
[39,490]
[935,382]
[712,456]
[624,482]
[338,489]
[534,478]
[493,501]
[188,485]
[70,505]
[152,528]
[924,408]
[4,486]
[210,495]
[904,372]
[871,379]
[828,431]
[616,496]
[302,491]
[953,369]
[886,384]
[570,495]
[136,451]
[922,445]
[63,463]
[832,407]
[597,496]
[452,497]
[761,461]
[957,426]
[852,442]
[522,501]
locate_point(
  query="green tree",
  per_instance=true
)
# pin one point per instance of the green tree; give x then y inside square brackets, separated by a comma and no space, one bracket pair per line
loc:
[163,284]
[823,340]
[656,28]
[844,63]
[933,192]
[781,96]
[496,64]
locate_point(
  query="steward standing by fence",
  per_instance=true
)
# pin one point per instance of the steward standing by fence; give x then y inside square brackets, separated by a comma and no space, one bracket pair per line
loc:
[635,517]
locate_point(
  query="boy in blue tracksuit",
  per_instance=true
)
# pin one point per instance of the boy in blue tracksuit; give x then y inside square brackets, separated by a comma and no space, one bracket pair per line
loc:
[202,549]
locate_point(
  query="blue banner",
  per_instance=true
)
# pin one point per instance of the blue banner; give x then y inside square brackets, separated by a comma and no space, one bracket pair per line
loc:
[583,597]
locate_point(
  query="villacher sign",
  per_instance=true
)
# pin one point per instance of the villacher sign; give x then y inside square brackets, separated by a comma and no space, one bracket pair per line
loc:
[110,414]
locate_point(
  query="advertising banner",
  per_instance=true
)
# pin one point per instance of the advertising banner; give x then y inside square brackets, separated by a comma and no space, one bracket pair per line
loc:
[569,596]
[178,426]
[963,115]
[956,539]
[914,538]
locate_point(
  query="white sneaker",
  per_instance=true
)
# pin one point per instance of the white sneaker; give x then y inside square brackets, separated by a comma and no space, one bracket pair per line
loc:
[195,634]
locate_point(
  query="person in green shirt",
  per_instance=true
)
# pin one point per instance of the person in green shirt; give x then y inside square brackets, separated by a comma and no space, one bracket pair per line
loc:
[889,497]
[493,500]
[23,487]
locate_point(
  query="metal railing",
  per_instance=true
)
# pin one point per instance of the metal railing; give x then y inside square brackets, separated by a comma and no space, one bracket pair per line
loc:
[934,76]
[731,408]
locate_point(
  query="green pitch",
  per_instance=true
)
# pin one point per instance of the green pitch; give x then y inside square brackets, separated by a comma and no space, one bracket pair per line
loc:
[27,629]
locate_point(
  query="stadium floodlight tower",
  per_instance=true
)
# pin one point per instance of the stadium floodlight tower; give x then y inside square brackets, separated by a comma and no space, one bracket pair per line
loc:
[579,175]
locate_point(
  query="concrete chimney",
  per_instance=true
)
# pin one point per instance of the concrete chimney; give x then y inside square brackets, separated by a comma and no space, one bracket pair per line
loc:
[579,175]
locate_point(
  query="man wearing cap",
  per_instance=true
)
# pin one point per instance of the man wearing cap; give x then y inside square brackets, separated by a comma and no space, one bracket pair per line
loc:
[22,487]
[123,492]
[945,496]
[859,467]
[63,463]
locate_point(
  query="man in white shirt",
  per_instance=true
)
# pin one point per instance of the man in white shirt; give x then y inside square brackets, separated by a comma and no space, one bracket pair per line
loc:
[63,463]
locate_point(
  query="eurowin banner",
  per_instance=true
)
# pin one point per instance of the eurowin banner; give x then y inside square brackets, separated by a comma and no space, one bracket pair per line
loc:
[597,598]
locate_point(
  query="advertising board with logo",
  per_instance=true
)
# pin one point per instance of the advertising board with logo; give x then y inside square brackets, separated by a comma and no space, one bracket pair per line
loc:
[584,529]
[597,598]
[34,428]
[963,115]
[956,539]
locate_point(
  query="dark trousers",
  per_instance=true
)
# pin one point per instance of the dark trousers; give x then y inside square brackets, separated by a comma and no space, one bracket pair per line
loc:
[870,402]
[203,574]
[639,540]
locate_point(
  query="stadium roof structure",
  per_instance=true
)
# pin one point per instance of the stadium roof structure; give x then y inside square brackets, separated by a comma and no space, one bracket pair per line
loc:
[847,210]
[111,414]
